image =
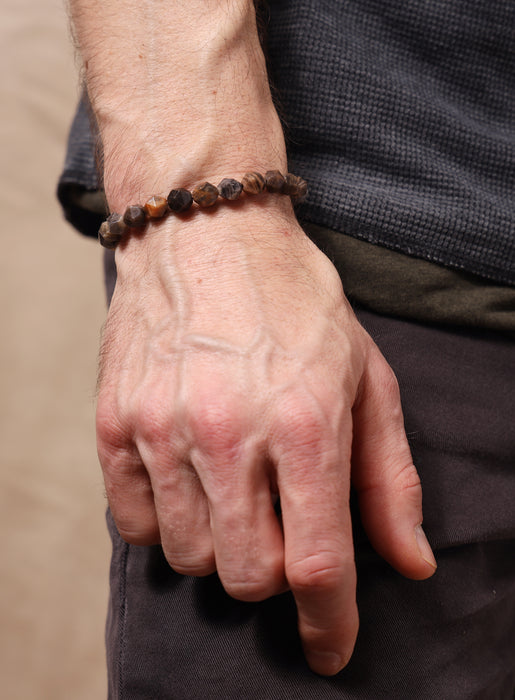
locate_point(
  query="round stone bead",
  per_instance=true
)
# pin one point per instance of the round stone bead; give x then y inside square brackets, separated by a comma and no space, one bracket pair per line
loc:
[230,189]
[156,207]
[274,181]
[135,216]
[205,195]
[295,187]
[179,200]
[253,183]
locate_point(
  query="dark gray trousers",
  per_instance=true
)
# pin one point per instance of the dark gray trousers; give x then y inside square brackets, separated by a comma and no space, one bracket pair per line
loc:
[449,638]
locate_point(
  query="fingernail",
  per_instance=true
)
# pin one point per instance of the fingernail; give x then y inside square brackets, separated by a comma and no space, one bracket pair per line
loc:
[325,662]
[424,547]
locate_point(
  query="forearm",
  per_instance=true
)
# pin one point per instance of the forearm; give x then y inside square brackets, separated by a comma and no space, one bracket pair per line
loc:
[179,90]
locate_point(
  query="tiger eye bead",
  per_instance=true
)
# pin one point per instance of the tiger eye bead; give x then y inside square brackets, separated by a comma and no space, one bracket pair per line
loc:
[205,195]
[230,189]
[111,231]
[106,238]
[156,207]
[295,187]
[179,200]
[135,216]
[117,225]
[253,183]
[274,181]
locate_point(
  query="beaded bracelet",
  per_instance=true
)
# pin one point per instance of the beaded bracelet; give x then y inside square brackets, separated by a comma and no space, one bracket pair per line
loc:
[205,195]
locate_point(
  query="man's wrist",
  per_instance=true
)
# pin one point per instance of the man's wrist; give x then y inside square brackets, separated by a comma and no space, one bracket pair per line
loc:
[155,168]
[267,223]
[183,203]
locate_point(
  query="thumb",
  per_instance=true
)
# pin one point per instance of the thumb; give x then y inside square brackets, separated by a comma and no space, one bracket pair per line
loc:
[383,474]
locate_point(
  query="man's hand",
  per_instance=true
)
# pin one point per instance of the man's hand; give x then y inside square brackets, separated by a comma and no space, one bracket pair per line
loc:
[239,375]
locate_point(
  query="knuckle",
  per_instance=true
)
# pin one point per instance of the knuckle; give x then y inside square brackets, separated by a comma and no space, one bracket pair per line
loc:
[250,587]
[141,537]
[143,531]
[217,425]
[299,422]
[187,547]
[408,481]
[151,419]
[200,569]
[116,460]
[109,429]
[131,503]
[316,573]
[191,564]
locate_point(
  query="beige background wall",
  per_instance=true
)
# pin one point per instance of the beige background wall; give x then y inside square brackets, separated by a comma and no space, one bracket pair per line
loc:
[54,551]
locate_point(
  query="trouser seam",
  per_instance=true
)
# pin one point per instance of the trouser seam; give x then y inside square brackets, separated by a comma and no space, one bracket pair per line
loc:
[122,592]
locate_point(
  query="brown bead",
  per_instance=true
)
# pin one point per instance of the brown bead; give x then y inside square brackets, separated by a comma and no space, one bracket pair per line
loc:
[117,225]
[156,207]
[230,189]
[205,195]
[180,200]
[253,183]
[106,238]
[112,230]
[295,187]
[274,181]
[135,216]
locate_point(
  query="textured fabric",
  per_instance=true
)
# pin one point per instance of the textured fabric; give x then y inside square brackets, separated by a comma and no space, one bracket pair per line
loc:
[79,189]
[400,115]
[452,636]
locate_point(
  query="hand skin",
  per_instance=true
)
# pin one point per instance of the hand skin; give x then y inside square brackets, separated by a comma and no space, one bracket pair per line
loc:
[233,370]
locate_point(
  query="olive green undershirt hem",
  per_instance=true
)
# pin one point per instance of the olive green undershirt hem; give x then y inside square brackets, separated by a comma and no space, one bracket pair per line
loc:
[395,284]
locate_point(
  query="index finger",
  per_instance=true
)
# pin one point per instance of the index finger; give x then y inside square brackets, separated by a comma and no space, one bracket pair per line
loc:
[314,485]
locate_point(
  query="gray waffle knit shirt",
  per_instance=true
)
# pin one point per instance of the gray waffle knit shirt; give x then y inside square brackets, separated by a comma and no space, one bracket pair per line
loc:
[400,115]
